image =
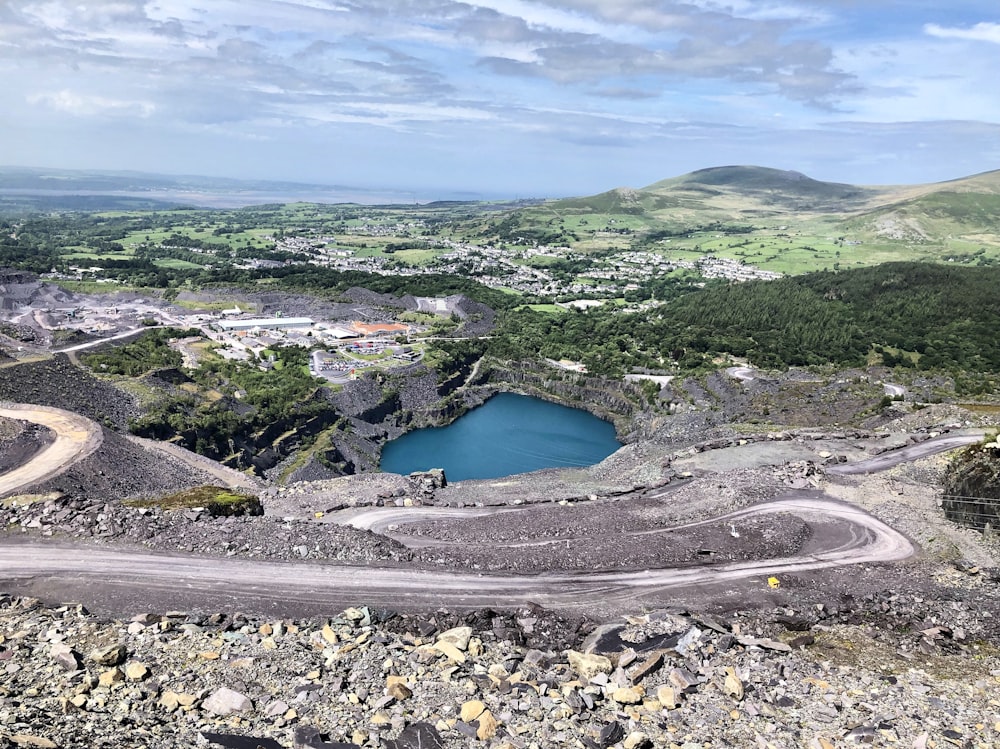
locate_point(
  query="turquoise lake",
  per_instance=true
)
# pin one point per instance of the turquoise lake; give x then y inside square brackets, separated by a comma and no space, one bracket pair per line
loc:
[506,435]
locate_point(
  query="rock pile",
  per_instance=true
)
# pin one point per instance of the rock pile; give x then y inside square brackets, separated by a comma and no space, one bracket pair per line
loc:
[824,676]
[58,383]
[196,530]
[20,441]
[120,469]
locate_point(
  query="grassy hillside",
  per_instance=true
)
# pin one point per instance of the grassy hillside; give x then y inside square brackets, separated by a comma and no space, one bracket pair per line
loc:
[762,188]
[783,220]
[946,218]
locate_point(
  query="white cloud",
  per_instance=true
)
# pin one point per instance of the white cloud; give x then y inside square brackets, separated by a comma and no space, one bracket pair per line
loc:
[981,32]
[83,105]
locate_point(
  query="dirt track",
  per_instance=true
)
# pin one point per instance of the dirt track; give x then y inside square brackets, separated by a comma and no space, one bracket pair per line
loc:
[76,437]
[850,536]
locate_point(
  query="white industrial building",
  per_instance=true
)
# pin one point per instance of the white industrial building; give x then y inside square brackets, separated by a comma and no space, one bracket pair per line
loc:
[267,323]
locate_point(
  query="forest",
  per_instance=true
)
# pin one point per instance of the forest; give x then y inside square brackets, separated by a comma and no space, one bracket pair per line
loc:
[918,315]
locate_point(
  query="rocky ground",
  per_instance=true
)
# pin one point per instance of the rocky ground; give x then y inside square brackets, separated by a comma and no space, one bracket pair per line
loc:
[58,383]
[882,669]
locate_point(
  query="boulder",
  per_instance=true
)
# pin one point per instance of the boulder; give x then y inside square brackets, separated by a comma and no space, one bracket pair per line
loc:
[226,701]
[112,655]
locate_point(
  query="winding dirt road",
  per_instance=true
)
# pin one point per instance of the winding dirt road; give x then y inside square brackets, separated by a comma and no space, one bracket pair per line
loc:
[183,578]
[76,437]
[892,458]
[123,580]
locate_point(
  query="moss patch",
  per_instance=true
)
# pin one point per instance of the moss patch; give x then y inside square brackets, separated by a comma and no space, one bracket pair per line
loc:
[216,500]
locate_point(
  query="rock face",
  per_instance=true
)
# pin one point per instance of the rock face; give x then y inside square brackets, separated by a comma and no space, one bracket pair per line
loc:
[870,672]
[971,491]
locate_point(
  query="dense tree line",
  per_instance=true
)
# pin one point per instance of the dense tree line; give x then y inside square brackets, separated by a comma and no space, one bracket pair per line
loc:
[933,316]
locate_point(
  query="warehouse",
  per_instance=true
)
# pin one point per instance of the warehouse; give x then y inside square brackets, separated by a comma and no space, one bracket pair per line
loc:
[268,323]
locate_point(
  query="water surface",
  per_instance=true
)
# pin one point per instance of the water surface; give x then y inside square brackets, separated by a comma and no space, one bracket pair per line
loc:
[506,435]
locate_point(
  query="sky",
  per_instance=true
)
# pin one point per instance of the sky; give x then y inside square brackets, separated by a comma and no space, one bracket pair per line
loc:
[502,98]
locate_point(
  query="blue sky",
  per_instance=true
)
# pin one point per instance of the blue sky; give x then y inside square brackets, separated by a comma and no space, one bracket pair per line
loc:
[502,97]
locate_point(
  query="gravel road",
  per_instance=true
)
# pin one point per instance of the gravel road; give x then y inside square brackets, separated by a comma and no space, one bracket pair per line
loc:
[76,437]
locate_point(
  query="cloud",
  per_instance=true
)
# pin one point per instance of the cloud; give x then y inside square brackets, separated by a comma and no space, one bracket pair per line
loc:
[981,32]
[536,76]
[84,105]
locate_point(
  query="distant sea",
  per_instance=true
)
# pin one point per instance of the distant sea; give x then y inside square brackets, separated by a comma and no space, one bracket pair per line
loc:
[241,199]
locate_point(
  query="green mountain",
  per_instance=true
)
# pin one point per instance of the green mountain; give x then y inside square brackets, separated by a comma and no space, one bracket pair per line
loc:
[756,189]
[793,223]
[752,191]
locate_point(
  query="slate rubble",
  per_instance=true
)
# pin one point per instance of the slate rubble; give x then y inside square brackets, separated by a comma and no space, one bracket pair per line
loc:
[197,531]
[876,671]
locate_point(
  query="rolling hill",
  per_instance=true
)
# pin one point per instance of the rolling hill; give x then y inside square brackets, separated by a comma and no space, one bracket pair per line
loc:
[746,192]
[791,214]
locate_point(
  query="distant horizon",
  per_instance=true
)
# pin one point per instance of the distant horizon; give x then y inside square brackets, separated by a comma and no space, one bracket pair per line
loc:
[269,190]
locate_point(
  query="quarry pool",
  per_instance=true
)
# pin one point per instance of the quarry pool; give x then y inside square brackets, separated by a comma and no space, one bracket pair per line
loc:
[506,435]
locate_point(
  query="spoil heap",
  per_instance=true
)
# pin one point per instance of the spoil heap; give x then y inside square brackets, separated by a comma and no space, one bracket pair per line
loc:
[885,670]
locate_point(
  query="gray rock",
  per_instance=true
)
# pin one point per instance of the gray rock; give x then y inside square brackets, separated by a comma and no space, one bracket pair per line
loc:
[226,701]
[240,742]
[683,679]
[112,655]
[610,734]
[65,657]
[417,736]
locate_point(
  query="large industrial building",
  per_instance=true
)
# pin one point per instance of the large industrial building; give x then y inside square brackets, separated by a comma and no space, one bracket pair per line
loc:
[267,323]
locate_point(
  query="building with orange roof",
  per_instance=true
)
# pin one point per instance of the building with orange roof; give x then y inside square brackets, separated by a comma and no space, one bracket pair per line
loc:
[387,328]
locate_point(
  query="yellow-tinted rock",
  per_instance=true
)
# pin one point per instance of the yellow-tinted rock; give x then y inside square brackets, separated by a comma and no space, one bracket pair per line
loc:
[668,697]
[588,665]
[733,686]
[110,677]
[628,695]
[487,726]
[459,637]
[169,700]
[635,739]
[450,650]
[136,671]
[396,687]
[472,710]
[27,739]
